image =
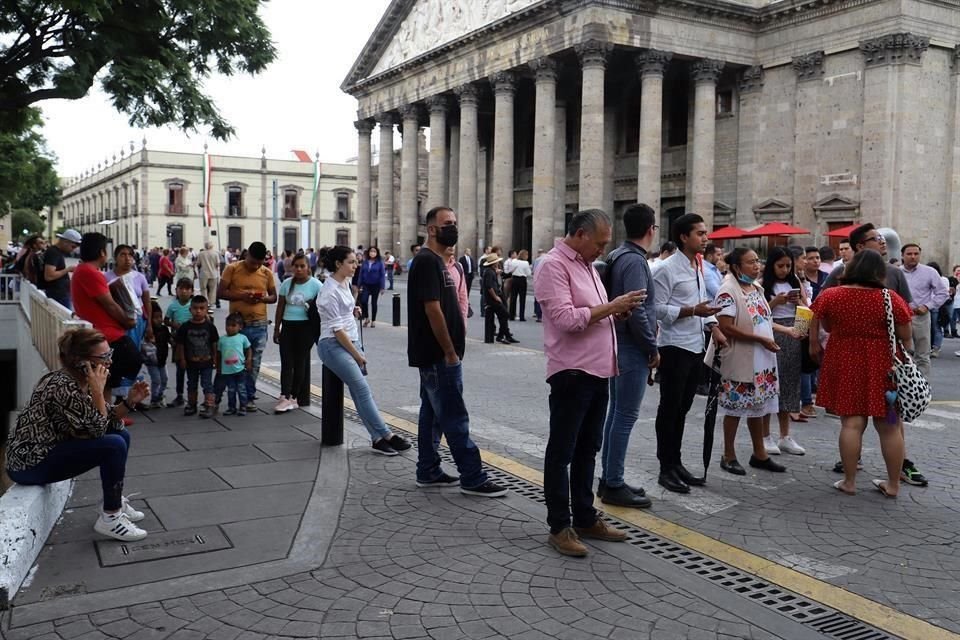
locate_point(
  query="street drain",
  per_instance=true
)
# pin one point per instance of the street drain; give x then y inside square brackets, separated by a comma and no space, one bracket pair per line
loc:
[824,620]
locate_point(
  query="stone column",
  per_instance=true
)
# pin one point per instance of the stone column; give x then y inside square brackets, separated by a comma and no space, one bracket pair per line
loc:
[502,201]
[705,72]
[364,186]
[889,159]
[748,141]
[593,58]
[953,179]
[437,176]
[385,186]
[467,192]
[453,168]
[544,153]
[807,118]
[560,210]
[651,65]
[409,178]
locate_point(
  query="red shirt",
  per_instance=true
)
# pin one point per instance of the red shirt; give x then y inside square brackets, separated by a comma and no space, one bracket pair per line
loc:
[87,283]
[166,266]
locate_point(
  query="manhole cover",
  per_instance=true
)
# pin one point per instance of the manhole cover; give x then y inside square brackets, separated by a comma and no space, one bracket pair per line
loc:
[159,546]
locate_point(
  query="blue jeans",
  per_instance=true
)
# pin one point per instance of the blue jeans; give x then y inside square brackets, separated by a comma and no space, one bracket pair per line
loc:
[626,394]
[339,360]
[257,335]
[158,381]
[72,458]
[578,403]
[806,389]
[235,384]
[442,412]
[202,376]
[390,277]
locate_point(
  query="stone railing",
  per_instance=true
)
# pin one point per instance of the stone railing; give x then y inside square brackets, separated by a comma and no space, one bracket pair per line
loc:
[48,321]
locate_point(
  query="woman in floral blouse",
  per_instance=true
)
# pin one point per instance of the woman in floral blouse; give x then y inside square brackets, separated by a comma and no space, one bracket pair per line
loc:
[749,386]
[68,428]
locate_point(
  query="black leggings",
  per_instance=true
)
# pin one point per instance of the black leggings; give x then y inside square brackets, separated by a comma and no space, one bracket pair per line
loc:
[296,343]
[164,281]
[518,290]
[371,294]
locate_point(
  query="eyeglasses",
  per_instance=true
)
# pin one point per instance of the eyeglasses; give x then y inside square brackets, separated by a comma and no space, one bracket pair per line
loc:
[104,357]
[878,239]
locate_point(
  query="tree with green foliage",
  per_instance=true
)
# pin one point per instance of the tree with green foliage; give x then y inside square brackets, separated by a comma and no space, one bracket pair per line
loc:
[150,56]
[25,222]
[28,179]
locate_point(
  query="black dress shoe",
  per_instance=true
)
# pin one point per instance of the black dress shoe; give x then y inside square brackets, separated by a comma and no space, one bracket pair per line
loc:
[602,486]
[733,467]
[689,478]
[511,339]
[623,497]
[767,464]
[670,481]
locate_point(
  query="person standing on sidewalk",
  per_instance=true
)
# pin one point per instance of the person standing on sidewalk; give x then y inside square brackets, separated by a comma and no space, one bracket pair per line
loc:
[373,282]
[684,312]
[250,287]
[469,267]
[580,343]
[636,354]
[209,263]
[56,273]
[436,341]
[929,294]
[295,334]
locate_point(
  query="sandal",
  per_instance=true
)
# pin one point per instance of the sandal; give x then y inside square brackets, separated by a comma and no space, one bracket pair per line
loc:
[881,487]
[838,485]
[798,417]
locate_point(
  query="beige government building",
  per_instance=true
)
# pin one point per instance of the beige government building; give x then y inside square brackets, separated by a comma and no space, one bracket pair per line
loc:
[820,113]
[153,198]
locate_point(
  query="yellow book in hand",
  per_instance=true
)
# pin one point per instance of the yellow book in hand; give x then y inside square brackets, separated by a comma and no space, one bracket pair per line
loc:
[801,321]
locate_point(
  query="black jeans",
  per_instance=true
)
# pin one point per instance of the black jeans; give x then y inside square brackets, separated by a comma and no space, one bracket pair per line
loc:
[679,376]
[369,293]
[518,290]
[578,405]
[296,343]
[495,310]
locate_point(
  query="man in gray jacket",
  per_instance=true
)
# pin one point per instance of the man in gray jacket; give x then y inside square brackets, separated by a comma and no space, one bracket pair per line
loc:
[627,270]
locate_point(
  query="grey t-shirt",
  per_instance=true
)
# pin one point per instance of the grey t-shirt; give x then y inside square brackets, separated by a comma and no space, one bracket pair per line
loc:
[895,281]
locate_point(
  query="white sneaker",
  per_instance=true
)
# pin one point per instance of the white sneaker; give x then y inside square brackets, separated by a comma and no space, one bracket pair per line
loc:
[283,406]
[770,445]
[118,527]
[132,514]
[789,445]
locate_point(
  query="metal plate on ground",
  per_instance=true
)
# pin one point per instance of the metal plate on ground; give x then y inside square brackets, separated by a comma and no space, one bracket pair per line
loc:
[160,546]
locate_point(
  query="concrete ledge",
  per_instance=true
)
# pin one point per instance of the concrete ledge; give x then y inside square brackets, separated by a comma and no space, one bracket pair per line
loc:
[27,515]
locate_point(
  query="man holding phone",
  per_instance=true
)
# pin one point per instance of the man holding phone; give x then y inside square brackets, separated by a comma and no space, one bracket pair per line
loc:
[580,343]
[685,312]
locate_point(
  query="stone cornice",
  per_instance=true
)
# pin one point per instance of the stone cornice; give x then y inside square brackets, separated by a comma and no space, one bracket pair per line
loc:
[545,69]
[593,53]
[706,70]
[652,62]
[364,126]
[894,48]
[503,83]
[809,66]
[751,80]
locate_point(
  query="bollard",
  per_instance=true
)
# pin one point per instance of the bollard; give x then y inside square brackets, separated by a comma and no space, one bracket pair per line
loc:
[331,409]
[396,309]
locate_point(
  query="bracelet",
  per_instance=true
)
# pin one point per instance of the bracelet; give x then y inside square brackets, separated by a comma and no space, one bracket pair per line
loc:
[127,405]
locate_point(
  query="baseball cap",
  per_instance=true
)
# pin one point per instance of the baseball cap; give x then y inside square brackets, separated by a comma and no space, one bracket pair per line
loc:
[71,235]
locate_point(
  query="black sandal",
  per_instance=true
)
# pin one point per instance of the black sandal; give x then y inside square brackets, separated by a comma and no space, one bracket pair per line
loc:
[733,467]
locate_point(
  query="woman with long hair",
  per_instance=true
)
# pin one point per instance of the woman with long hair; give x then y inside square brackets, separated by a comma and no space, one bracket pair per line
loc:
[341,351]
[855,371]
[294,332]
[784,292]
[372,282]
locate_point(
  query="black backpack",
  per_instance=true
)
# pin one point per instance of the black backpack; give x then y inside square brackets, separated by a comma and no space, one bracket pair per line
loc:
[605,267]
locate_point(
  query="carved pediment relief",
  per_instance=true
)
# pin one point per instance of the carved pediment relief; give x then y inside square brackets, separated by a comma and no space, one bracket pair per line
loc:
[773,210]
[836,207]
[723,213]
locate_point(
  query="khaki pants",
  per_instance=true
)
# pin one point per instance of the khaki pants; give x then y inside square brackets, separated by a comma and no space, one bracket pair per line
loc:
[921,343]
[208,288]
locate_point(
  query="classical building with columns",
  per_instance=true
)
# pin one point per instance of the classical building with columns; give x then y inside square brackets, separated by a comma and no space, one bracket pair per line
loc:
[819,113]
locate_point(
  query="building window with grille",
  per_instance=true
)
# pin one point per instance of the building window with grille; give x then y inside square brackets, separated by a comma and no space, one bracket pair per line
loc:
[343,207]
[343,237]
[235,202]
[291,204]
[175,204]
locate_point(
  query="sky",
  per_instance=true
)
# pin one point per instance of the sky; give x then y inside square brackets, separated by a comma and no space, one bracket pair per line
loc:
[295,104]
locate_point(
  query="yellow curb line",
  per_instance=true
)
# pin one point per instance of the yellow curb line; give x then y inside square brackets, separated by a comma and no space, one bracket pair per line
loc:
[873,613]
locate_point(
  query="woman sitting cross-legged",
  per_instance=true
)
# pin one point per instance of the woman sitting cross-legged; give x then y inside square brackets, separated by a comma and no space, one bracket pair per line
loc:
[68,428]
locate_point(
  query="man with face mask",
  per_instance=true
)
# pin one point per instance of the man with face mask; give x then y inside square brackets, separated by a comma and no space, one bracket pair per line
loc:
[436,340]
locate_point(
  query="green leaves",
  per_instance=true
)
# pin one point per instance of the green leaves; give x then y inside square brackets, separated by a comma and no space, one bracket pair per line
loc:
[28,179]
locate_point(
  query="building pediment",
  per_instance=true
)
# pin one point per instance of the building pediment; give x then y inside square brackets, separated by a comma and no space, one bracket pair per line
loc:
[835,202]
[773,209]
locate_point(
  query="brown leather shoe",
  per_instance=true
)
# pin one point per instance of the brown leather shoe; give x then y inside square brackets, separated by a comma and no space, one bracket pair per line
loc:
[602,531]
[567,543]
[809,410]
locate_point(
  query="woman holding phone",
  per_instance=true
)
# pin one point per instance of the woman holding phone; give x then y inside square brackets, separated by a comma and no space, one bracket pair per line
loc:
[784,293]
[68,428]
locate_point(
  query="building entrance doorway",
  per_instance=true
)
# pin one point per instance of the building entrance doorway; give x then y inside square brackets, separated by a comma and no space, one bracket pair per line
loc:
[174,236]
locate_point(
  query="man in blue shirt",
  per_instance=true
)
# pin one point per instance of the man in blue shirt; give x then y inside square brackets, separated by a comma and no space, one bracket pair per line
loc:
[712,278]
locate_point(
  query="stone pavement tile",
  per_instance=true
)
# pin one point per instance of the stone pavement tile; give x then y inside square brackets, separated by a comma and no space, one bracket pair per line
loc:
[121,628]
[89,492]
[76,525]
[217,507]
[30,632]
[201,441]
[170,462]
[269,473]
[153,445]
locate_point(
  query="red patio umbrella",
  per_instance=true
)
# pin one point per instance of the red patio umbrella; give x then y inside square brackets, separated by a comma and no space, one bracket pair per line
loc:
[842,232]
[776,229]
[728,233]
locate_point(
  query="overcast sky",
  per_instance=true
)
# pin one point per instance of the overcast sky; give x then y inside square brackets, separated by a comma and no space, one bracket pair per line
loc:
[295,104]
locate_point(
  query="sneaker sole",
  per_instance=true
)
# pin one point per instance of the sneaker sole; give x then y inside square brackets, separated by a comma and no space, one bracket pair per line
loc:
[484,494]
[567,552]
[385,453]
[588,536]
[427,485]
[904,478]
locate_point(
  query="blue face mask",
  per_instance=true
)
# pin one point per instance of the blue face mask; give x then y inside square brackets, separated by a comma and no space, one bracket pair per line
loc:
[745,279]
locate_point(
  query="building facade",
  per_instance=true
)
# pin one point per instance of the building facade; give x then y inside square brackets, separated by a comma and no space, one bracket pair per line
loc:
[820,113]
[154,198]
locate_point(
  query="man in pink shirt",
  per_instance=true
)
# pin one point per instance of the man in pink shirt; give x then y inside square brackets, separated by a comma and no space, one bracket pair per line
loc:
[581,348]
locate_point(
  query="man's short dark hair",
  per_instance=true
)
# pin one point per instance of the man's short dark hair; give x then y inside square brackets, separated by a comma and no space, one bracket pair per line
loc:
[92,244]
[588,220]
[683,226]
[257,251]
[432,216]
[858,235]
[827,253]
[710,249]
[184,283]
[904,248]
[638,219]
[669,245]
[414,247]
[198,300]
[812,250]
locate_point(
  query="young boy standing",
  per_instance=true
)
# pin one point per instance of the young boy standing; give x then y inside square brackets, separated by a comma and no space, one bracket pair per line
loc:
[234,363]
[158,371]
[196,353]
[177,313]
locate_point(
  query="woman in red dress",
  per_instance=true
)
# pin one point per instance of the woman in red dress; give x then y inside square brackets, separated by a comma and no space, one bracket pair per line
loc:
[855,373]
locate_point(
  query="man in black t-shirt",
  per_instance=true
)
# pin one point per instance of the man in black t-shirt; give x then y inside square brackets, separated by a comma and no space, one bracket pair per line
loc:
[55,280]
[436,339]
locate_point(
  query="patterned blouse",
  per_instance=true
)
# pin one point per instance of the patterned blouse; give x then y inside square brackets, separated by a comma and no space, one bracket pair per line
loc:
[58,411]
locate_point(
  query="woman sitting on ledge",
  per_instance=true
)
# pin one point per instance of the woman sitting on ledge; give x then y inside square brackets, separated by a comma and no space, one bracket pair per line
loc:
[68,428]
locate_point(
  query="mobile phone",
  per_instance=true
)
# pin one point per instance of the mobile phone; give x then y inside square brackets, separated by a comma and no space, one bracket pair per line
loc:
[794,293]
